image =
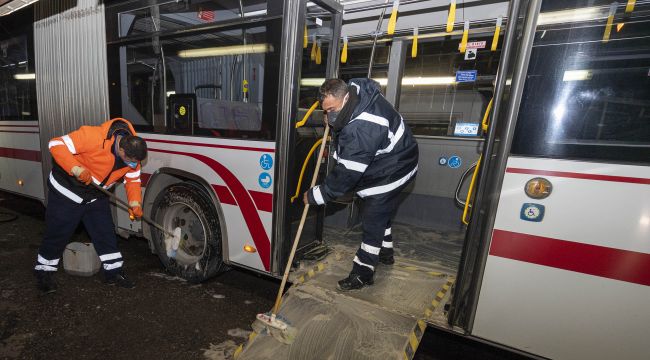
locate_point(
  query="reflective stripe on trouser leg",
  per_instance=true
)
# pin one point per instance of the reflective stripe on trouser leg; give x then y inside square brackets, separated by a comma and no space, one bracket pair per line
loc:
[387,243]
[99,224]
[62,217]
[375,215]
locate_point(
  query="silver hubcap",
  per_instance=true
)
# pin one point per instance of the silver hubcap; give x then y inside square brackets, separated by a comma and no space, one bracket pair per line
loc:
[193,235]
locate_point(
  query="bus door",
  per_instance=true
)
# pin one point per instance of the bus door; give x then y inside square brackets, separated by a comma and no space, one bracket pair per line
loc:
[563,269]
[316,55]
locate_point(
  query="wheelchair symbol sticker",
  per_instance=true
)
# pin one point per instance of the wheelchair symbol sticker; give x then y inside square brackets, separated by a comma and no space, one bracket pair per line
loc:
[454,162]
[265,180]
[532,212]
[266,162]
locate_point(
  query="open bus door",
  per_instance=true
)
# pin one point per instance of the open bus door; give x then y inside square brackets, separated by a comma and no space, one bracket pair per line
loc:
[556,258]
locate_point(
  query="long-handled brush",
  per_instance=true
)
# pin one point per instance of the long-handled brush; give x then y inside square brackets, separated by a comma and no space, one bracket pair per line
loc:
[278,328]
[172,238]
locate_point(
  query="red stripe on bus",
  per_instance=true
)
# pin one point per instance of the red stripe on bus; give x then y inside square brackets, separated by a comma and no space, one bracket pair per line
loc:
[232,147]
[2,125]
[19,132]
[29,155]
[611,263]
[244,201]
[224,195]
[263,201]
[573,175]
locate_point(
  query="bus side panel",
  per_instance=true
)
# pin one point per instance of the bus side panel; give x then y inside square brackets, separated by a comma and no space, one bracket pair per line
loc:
[243,185]
[575,283]
[20,158]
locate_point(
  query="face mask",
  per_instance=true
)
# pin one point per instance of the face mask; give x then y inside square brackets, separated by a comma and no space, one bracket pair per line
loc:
[332,115]
[131,164]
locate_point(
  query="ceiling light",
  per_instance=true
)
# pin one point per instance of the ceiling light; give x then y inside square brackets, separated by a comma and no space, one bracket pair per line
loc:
[573,15]
[12,6]
[226,50]
[25,76]
[410,81]
[577,75]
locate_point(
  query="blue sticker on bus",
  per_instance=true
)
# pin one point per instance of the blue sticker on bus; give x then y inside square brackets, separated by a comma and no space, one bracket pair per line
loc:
[532,212]
[466,129]
[266,162]
[454,162]
[265,180]
[466,75]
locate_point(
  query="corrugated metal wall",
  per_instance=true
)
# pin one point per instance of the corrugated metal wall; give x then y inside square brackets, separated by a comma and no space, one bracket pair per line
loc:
[71,74]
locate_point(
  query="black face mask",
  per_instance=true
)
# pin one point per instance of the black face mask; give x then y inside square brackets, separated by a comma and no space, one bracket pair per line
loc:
[338,119]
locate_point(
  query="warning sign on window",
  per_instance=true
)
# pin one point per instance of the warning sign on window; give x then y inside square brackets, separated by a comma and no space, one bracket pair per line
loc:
[474,45]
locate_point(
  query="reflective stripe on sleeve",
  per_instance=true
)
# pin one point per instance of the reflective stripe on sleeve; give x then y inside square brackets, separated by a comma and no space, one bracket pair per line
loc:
[68,142]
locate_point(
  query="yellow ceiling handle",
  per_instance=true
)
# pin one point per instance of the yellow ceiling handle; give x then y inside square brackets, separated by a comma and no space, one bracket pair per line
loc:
[414,48]
[630,6]
[304,166]
[312,56]
[497,32]
[470,190]
[610,22]
[305,38]
[344,52]
[451,17]
[393,18]
[307,115]
[484,123]
[318,52]
[463,41]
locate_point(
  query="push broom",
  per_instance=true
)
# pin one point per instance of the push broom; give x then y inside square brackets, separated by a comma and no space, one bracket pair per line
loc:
[278,328]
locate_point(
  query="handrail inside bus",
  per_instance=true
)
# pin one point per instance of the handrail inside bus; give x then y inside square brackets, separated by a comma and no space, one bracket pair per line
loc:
[307,115]
[484,126]
[304,166]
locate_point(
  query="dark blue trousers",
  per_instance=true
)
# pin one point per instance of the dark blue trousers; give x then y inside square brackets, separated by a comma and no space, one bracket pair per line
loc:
[377,213]
[62,217]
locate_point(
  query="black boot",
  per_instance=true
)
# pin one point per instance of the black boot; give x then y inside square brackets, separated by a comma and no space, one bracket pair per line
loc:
[118,279]
[386,256]
[354,282]
[46,283]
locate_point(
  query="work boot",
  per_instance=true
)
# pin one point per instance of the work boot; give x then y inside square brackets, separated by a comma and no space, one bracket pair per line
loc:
[386,257]
[118,279]
[353,282]
[46,283]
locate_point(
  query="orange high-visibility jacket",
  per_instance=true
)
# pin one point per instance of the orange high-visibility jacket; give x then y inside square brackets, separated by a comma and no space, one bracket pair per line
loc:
[91,147]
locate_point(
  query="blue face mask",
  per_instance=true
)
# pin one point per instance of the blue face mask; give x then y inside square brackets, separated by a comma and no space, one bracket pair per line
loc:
[131,164]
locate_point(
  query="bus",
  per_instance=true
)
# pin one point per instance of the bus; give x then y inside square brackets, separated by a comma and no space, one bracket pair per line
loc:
[533,192]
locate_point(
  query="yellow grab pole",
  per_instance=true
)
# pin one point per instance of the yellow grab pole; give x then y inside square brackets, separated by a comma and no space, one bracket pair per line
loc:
[414,48]
[463,41]
[630,6]
[497,32]
[344,52]
[451,17]
[610,21]
[305,38]
[312,56]
[393,18]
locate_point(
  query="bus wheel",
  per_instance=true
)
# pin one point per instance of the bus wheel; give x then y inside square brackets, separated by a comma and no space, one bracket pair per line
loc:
[188,206]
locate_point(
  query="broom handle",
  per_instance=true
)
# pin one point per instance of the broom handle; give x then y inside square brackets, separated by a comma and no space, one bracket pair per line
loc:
[278,299]
[124,203]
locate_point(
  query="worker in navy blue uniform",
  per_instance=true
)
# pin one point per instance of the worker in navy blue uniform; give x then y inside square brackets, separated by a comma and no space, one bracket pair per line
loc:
[102,155]
[376,156]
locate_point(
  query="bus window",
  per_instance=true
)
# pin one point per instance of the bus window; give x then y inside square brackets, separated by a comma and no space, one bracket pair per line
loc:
[222,78]
[431,101]
[586,97]
[17,80]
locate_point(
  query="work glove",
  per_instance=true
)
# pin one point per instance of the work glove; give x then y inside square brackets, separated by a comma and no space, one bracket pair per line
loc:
[135,211]
[82,174]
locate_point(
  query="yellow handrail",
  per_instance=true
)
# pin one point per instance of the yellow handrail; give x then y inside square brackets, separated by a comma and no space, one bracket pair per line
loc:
[469,192]
[484,126]
[304,166]
[307,115]
[484,123]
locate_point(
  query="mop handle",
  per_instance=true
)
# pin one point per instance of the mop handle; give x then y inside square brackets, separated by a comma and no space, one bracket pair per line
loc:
[278,299]
[124,203]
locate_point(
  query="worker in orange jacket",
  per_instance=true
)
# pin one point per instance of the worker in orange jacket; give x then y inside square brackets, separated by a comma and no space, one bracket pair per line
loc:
[92,154]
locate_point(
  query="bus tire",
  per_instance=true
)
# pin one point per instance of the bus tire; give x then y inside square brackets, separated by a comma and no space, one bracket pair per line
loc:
[199,254]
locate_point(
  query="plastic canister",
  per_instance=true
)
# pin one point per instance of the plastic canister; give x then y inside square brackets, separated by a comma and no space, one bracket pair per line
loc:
[80,259]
